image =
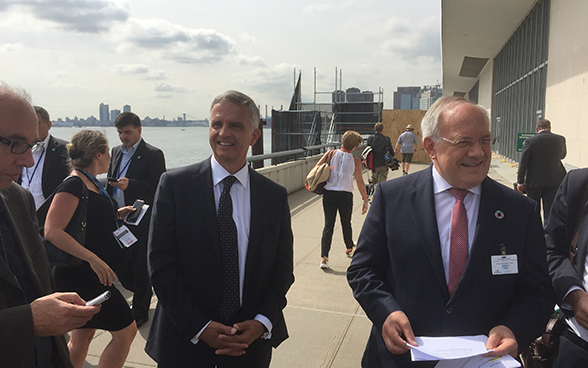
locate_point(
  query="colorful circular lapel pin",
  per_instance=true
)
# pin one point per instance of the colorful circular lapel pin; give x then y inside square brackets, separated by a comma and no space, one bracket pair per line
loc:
[499,214]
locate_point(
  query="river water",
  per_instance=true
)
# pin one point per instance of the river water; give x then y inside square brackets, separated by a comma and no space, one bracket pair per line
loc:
[181,145]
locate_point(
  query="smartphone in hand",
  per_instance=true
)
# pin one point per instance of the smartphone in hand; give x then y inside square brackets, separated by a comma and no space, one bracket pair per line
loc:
[99,299]
[132,217]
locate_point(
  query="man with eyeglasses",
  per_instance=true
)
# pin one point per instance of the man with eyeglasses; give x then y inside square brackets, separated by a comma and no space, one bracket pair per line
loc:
[540,169]
[464,256]
[51,162]
[33,320]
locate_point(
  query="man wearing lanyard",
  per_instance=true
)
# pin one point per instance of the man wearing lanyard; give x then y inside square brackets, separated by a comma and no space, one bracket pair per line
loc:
[51,162]
[137,167]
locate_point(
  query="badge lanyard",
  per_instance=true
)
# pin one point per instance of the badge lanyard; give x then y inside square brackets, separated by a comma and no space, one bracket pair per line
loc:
[30,178]
[100,189]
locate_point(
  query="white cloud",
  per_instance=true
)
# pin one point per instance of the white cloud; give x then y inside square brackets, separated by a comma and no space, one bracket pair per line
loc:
[408,40]
[276,81]
[86,16]
[11,47]
[251,60]
[168,88]
[140,69]
[178,43]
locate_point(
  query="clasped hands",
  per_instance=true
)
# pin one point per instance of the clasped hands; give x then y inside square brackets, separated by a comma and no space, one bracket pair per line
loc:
[232,340]
[397,331]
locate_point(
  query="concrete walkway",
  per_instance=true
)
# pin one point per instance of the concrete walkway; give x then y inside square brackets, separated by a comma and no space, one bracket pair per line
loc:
[327,326]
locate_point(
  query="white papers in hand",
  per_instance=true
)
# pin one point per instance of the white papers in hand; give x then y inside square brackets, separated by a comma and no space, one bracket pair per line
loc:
[480,362]
[454,347]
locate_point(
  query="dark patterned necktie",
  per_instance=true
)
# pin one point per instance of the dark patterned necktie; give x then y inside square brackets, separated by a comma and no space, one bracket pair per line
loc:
[230,301]
[458,242]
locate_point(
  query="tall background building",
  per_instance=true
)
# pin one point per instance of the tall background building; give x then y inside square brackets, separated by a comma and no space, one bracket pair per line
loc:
[416,98]
[127,108]
[104,112]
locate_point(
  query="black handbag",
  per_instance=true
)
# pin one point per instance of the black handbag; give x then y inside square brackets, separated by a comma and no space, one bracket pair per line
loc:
[76,228]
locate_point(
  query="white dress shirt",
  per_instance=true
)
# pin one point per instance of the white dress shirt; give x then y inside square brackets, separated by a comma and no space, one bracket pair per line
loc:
[444,202]
[32,177]
[121,170]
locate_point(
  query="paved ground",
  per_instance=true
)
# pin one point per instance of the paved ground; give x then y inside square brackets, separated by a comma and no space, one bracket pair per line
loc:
[327,327]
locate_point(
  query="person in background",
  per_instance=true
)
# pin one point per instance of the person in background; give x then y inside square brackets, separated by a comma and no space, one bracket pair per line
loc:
[220,252]
[34,319]
[447,251]
[540,170]
[380,146]
[51,162]
[101,254]
[407,144]
[137,166]
[566,231]
[338,194]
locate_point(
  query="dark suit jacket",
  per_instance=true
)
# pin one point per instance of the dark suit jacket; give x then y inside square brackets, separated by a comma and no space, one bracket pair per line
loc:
[560,230]
[147,165]
[17,348]
[185,262]
[541,160]
[56,166]
[398,267]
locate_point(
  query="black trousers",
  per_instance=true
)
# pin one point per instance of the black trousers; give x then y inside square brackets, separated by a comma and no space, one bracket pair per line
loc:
[333,202]
[134,276]
[570,355]
[258,355]
[545,195]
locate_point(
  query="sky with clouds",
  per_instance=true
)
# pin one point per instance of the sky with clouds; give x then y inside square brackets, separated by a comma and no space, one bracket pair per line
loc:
[166,58]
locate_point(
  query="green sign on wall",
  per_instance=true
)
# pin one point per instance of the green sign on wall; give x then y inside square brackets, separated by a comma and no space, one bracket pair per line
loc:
[521,138]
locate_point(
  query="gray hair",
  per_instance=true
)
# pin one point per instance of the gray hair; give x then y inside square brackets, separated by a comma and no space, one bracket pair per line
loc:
[430,122]
[18,90]
[240,99]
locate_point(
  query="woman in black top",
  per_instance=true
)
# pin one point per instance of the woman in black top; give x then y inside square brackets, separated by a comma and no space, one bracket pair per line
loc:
[101,254]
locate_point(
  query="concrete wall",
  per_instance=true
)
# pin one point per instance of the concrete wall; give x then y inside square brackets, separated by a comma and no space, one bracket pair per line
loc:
[291,175]
[395,122]
[567,77]
[485,86]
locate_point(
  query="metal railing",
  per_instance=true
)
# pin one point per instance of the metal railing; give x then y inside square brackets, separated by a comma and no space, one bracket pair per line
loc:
[297,153]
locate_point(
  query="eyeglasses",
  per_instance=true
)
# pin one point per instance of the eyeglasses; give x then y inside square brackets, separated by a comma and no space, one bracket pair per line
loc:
[18,147]
[468,143]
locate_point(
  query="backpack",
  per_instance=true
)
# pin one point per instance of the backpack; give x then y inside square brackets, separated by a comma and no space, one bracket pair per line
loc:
[367,158]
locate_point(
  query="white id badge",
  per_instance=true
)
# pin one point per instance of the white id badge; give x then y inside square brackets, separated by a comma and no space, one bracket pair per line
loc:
[505,265]
[125,236]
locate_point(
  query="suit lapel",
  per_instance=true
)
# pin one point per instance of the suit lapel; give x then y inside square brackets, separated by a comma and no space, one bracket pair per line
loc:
[13,211]
[203,179]
[116,156]
[49,155]
[137,157]
[255,227]
[423,213]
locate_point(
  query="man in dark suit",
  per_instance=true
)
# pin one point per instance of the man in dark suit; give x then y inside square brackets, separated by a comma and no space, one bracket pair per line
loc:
[137,166]
[540,169]
[221,277]
[33,320]
[567,225]
[446,264]
[51,162]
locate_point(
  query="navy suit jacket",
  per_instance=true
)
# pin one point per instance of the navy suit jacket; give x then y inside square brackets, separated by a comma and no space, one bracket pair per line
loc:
[560,230]
[541,160]
[17,348]
[147,165]
[185,262]
[398,267]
